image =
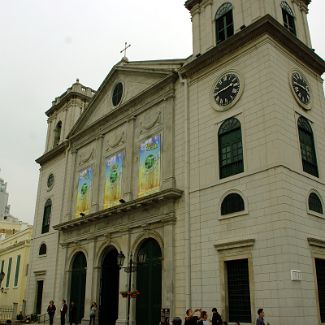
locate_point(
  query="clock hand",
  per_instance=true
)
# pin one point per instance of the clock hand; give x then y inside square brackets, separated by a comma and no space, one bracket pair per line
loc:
[301,86]
[223,89]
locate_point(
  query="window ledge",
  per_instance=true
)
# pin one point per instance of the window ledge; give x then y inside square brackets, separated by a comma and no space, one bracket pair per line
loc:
[233,215]
[41,256]
[316,214]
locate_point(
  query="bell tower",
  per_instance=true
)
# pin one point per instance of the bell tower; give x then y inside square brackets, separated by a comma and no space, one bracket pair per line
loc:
[214,21]
[65,111]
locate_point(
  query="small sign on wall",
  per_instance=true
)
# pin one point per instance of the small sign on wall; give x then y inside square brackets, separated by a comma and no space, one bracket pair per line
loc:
[296,275]
[164,316]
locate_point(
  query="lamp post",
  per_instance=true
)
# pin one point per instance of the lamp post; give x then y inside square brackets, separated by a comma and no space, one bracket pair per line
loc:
[130,268]
[2,276]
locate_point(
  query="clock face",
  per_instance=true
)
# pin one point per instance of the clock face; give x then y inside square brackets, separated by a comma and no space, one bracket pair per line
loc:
[300,87]
[226,89]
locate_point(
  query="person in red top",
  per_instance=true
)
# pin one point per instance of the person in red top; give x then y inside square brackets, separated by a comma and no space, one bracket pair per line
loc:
[51,311]
[63,311]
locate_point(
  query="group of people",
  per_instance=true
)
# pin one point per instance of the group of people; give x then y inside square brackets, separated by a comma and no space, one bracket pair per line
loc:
[200,317]
[73,318]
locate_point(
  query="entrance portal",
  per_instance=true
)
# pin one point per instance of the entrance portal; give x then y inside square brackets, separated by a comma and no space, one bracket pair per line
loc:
[148,302]
[109,295]
[78,284]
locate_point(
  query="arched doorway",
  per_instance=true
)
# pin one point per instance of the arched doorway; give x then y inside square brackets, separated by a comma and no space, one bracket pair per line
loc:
[78,283]
[109,286]
[148,304]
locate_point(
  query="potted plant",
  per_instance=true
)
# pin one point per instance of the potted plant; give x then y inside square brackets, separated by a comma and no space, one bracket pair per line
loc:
[134,293]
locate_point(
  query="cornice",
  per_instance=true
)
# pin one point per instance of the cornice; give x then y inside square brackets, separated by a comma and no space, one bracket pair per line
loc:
[189,4]
[267,25]
[52,153]
[132,104]
[66,97]
[165,195]
[112,231]
[235,244]
[316,242]
[15,246]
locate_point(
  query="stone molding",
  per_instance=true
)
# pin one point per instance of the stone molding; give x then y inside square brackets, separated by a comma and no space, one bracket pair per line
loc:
[52,153]
[267,25]
[234,244]
[169,194]
[316,242]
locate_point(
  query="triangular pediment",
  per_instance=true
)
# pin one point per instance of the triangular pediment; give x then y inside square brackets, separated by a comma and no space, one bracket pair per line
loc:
[135,78]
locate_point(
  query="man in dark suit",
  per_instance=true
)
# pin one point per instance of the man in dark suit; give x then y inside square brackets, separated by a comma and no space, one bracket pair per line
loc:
[63,311]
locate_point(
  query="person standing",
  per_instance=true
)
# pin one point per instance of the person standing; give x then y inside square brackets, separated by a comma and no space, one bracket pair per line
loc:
[93,310]
[260,318]
[177,321]
[189,319]
[73,313]
[203,318]
[51,311]
[63,311]
[216,318]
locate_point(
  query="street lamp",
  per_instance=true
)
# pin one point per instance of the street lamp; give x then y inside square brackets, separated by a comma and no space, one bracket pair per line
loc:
[131,267]
[2,276]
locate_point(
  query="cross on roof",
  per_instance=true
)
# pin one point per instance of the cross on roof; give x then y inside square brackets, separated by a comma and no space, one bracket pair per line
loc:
[126,46]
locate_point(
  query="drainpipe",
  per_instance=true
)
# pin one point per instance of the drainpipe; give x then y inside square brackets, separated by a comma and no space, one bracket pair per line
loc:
[187,221]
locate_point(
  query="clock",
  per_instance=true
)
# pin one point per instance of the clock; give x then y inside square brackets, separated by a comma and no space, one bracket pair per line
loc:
[300,88]
[227,89]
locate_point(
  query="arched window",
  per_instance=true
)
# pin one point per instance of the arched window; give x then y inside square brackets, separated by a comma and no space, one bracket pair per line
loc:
[224,22]
[314,203]
[46,216]
[232,203]
[230,148]
[288,17]
[307,147]
[42,249]
[57,134]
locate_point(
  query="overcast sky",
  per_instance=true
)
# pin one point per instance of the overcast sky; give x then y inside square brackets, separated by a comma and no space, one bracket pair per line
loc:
[46,44]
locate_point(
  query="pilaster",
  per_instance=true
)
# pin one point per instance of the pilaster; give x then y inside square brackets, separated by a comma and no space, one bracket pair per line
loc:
[91,288]
[168,145]
[70,185]
[97,174]
[168,278]
[129,161]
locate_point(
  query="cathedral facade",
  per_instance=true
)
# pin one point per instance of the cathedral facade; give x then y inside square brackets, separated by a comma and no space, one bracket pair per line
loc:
[191,183]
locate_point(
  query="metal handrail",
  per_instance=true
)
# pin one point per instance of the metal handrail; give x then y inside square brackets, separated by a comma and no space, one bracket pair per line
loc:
[42,318]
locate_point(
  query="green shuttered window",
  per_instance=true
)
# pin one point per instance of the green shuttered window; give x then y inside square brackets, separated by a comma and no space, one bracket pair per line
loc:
[8,272]
[17,271]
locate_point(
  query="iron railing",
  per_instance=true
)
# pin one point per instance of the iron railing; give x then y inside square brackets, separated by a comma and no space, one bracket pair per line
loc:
[6,312]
